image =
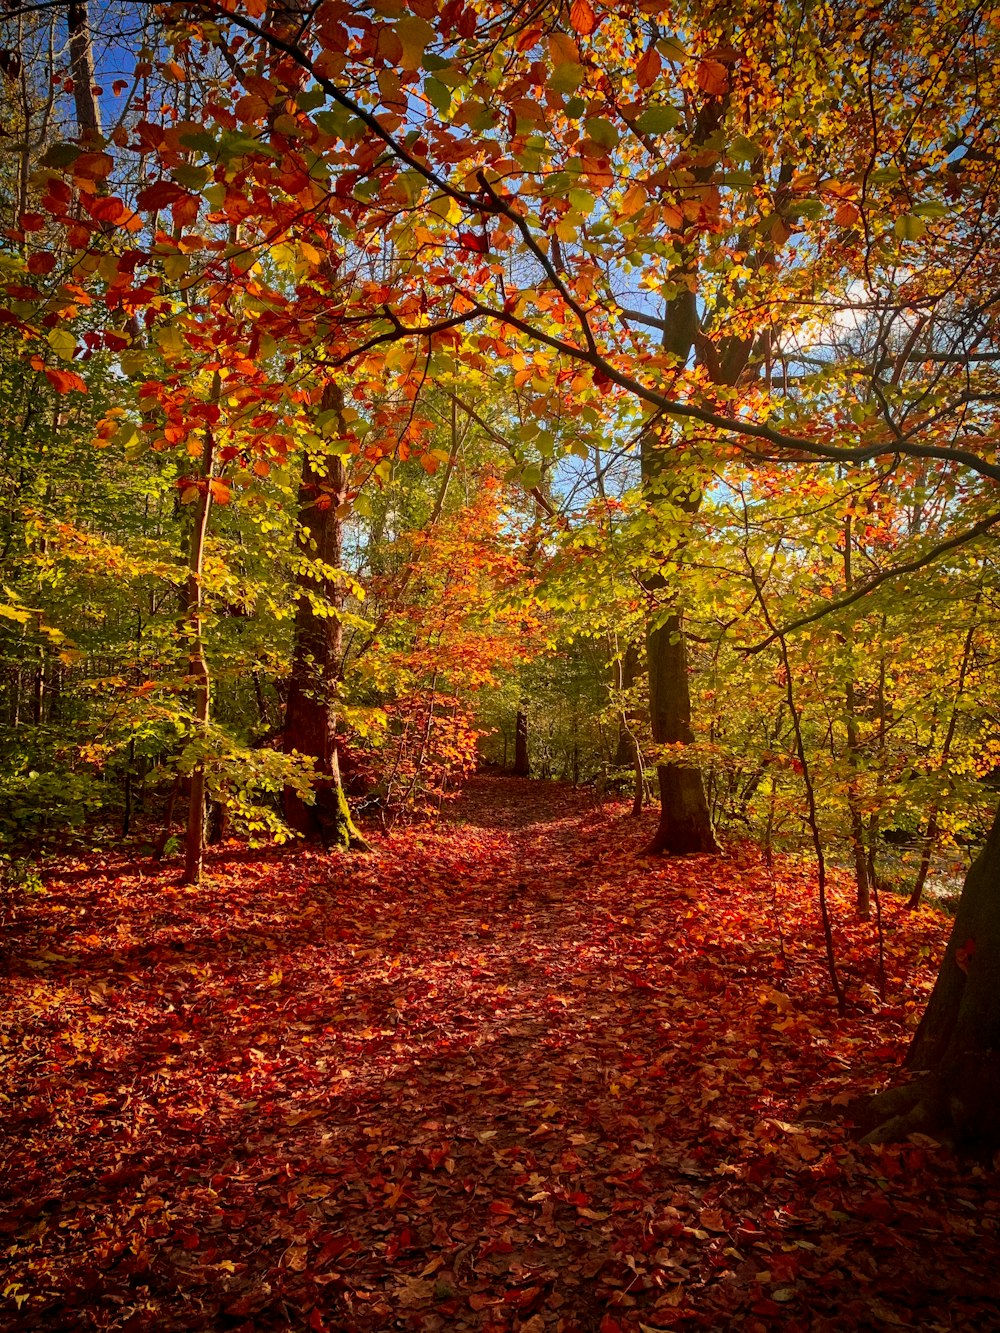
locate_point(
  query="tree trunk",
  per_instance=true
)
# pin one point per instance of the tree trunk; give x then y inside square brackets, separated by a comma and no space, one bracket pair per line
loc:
[685,822]
[317,659]
[685,825]
[522,760]
[81,64]
[861,877]
[198,675]
[957,1045]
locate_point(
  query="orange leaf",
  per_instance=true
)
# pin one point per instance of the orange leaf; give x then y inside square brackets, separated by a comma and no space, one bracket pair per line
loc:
[648,69]
[63,381]
[582,18]
[713,77]
[93,166]
[846,215]
[635,197]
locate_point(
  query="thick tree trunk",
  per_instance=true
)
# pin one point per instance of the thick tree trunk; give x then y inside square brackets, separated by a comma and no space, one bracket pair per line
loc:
[957,1045]
[81,64]
[685,821]
[685,825]
[317,660]
[522,760]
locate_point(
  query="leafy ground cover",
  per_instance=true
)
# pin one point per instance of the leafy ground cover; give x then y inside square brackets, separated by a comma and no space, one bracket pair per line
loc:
[501,1074]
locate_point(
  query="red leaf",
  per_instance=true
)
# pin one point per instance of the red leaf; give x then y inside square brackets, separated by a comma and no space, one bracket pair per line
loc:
[468,240]
[105,208]
[160,195]
[41,262]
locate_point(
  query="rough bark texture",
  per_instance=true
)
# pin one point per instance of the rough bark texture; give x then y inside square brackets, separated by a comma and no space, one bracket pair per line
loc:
[957,1045]
[685,825]
[81,63]
[317,660]
[685,821]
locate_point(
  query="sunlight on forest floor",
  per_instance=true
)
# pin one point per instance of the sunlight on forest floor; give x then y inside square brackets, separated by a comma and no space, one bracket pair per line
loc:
[501,1074]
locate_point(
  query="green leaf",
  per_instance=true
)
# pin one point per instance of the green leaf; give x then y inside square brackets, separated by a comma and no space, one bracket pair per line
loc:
[60,155]
[809,208]
[191,177]
[743,149]
[603,133]
[658,119]
[566,78]
[909,227]
[438,95]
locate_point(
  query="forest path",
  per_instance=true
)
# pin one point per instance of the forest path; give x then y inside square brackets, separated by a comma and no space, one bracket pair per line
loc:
[504,1073]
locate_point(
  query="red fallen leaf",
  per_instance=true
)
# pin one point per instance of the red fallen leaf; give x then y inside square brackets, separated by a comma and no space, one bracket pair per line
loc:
[521,1297]
[963,955]
[500,1208]
[582,18]
[480,1300]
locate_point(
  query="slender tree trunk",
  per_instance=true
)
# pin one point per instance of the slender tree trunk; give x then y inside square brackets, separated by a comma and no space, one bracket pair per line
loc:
[854,809]
[522,760]
[957,1045]
[198,675]
[855,812]
[933,825]
[317,659]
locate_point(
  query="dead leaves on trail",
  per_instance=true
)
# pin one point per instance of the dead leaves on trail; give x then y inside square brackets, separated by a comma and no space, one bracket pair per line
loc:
[500,1075]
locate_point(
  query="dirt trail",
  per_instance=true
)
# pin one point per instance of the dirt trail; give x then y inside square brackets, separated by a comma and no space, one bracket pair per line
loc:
[502,1074]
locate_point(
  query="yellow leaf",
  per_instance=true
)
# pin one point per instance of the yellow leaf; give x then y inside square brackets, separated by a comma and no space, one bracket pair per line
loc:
[62,342]
[414,33]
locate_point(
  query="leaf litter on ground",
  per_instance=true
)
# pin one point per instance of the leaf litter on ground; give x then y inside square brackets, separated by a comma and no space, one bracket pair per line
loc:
[504,1073]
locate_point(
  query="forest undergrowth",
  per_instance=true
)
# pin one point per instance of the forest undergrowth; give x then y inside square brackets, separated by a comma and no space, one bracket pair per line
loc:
[498,1074]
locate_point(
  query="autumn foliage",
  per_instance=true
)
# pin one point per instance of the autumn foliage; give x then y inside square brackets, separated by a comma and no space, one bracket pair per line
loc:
[498,1075]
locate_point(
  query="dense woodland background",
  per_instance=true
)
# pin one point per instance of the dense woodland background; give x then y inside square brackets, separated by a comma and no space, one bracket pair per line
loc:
[602,393]
[499,665]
